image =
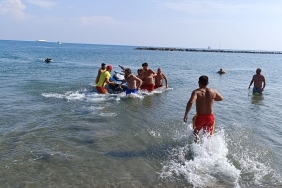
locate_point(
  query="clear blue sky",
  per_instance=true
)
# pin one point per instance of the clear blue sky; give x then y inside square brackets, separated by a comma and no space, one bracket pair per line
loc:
[241,24]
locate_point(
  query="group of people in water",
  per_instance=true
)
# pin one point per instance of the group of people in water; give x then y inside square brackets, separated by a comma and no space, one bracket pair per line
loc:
[146,79]
[203,96]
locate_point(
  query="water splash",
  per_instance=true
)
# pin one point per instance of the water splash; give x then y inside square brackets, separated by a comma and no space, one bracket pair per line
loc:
[202,165]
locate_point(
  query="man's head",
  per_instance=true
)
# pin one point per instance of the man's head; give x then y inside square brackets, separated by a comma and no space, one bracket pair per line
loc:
[109,68]
[258,71]
[103,65]
[203,80]
[145,66]
[127,72]
[139,71]
[159,71]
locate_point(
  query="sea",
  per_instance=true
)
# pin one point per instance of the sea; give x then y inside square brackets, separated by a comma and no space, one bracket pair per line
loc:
[57,131]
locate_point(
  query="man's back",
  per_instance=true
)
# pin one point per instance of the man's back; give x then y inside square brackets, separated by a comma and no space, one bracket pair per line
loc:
[205,99]
[258,80]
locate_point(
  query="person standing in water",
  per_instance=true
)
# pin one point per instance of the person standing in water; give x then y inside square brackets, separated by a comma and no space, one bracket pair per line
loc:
[102,69]
[148,78]
[259,82]
[104,79]
[133,82]
[159,79]
[204,98]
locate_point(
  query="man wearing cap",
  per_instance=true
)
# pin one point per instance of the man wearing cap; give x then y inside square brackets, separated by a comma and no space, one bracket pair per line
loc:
[102,69]
[104,79]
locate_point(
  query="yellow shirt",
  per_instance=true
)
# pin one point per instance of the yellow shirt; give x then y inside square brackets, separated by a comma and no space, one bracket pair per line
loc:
[102,79]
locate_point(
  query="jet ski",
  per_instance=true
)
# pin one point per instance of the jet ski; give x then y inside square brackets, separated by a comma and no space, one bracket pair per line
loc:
[48,60]
[117,78]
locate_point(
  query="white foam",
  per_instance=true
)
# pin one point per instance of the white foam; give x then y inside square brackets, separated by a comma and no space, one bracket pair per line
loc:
[83,95]
[108,114]
[202,165]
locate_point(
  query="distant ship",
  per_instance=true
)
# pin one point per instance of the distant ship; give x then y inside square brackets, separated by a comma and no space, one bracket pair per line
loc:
[59,42]
[40,40]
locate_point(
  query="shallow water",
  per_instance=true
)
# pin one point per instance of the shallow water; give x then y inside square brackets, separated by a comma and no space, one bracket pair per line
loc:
[56,131]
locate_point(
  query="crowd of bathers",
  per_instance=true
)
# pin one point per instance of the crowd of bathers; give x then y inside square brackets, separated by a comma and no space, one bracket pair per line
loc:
[146,79]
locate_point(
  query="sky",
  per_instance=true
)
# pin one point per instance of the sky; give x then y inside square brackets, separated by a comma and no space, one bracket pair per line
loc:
[220,24]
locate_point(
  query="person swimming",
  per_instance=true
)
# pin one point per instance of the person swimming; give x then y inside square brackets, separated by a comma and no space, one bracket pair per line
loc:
[221,71]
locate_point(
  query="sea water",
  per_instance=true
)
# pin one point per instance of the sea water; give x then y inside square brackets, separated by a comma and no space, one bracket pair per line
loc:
[57,131]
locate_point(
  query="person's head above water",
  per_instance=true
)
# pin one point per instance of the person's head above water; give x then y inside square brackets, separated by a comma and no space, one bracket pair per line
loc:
[203,80]
[258,71]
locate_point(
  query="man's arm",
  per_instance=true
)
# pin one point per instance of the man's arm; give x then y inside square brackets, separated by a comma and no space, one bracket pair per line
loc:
[98,76]
[218,96]
[264,83]
[153,73]
[166,82]
[108,81]
[122,82]
[139,81]
[251,82]
[192,99]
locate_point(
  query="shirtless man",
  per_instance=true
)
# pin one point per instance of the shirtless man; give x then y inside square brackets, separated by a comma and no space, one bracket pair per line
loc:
[204,97]
[148,78]
[133,83]
[159,79]
[102,69]
[258,79]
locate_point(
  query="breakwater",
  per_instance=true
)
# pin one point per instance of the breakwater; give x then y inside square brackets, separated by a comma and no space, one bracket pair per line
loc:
[208,50]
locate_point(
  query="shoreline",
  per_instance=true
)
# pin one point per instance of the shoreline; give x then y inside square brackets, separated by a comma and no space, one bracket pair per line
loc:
[207,50]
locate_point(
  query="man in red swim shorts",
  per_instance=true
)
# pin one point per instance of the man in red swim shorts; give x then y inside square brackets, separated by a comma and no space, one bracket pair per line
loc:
[204,97]
[147,78]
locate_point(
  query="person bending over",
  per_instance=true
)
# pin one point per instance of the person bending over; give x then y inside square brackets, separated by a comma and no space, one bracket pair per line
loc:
[133,82]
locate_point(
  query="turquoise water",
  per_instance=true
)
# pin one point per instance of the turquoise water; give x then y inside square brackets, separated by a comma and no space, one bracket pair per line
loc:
[56,131]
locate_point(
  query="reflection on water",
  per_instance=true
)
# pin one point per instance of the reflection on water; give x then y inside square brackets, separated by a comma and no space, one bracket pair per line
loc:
[257,99]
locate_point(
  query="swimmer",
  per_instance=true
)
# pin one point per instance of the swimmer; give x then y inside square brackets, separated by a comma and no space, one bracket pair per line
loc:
[204,98]
[221,71]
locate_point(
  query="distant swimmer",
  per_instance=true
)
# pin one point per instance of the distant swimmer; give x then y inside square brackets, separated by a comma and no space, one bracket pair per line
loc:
[258,80]
[102,69]
[104,79]
[159,79]
[204,97]
[133,82]
[221,71]
[147,78]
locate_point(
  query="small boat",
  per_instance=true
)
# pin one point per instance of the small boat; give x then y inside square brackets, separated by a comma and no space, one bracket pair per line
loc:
[59,42]
[41,40]
[48,60]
